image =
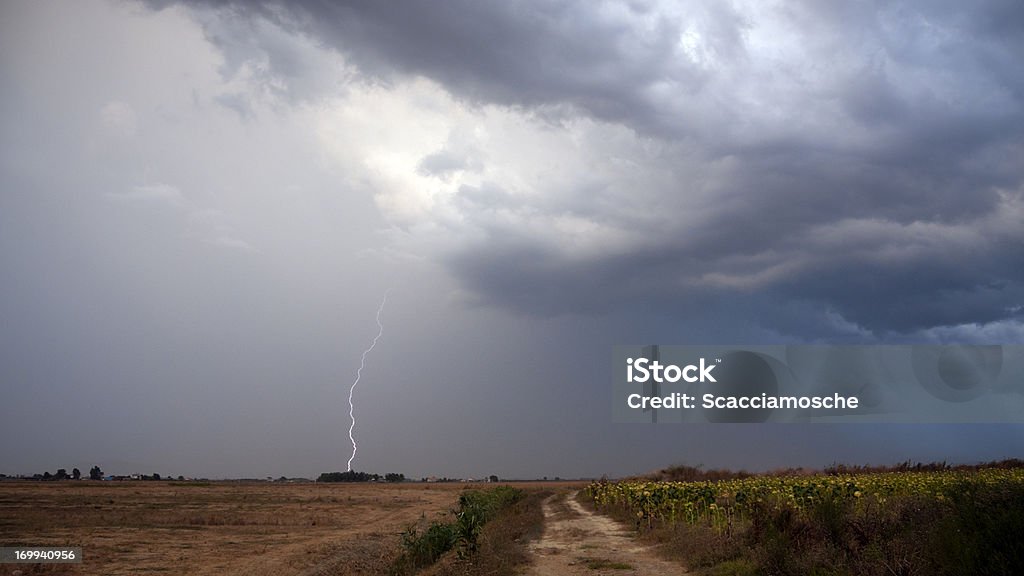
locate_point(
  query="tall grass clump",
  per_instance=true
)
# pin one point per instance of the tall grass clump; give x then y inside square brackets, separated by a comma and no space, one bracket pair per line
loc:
[475,509]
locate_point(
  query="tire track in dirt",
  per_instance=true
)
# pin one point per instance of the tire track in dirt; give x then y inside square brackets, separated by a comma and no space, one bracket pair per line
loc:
[577,541]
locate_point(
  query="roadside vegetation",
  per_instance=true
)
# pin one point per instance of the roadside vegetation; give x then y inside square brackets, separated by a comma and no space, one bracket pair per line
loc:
[906,520]
[487,534]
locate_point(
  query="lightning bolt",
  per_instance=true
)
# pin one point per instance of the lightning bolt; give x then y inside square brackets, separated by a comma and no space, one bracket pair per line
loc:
[359,374]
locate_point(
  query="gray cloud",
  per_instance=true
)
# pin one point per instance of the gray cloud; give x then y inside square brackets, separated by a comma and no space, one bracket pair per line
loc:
[799,124]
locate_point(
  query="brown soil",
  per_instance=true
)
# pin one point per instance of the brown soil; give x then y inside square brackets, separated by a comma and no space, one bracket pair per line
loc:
[259,529]
[577,541]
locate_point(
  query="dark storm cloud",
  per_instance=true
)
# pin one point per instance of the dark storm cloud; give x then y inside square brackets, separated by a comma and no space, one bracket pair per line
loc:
[874,152]
[601,58]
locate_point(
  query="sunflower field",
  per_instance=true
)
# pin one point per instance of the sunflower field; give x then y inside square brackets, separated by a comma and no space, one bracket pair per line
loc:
[719,502]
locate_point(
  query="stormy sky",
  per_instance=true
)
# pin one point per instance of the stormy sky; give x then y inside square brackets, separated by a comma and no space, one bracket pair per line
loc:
[202,204]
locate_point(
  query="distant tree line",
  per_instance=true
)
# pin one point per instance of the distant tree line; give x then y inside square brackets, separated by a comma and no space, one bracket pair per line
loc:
[837,469]
[95,473]
[353,476]
[60,474]
[434,479]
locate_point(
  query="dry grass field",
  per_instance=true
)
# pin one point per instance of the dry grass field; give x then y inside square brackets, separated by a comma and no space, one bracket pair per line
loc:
[258,529]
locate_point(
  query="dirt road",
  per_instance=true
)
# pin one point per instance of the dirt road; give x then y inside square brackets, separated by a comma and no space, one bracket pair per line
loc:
[577,541]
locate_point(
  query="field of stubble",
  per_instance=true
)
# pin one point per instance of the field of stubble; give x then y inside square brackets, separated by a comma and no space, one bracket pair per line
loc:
[258,529]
